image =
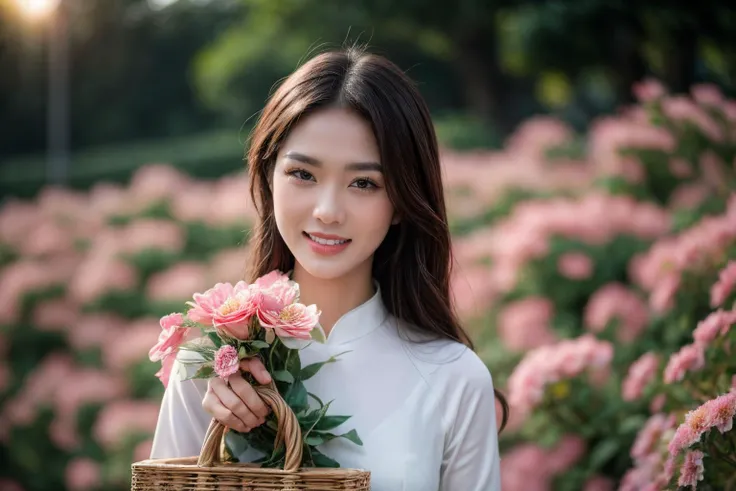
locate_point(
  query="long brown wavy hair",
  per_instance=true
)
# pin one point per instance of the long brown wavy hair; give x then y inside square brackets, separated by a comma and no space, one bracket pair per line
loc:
[413,264]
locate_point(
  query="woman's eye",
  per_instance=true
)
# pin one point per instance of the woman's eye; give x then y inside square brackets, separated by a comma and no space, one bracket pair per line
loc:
[364,184]
[302,175]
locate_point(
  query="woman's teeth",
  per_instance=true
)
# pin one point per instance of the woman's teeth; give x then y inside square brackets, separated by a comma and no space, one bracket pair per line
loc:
[326,241]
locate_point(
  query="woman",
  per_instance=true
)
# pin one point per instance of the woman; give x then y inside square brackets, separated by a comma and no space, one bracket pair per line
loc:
[345,172]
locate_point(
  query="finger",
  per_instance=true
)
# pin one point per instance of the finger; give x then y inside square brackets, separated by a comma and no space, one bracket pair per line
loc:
[237,406]
[211,403]
[256,367]
[250,397]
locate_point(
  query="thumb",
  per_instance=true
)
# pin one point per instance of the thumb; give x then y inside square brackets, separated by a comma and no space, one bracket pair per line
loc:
[257,369]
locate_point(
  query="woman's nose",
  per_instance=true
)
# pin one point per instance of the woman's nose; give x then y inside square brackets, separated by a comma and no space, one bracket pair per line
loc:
[329,208]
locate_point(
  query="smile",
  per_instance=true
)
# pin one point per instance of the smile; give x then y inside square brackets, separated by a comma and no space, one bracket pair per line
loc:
[327,245]
[320,240]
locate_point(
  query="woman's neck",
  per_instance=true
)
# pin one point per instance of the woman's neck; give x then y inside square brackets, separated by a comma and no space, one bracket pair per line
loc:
[334,297]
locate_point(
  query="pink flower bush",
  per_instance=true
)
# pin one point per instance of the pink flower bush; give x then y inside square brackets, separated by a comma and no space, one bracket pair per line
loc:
[120,418]
[659,270]
[528,467]
[715,325]
[549,364]
[226,361]
[648,90]
[649,453]
[724,286]
[690,358]
[177,282]
[575,266]
[594,219]
[82,474]
[615,301]
[640,374]
[598,483]
[525,324]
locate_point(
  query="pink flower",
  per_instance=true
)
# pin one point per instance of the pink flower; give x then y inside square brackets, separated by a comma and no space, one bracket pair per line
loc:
[657,403]
[707,94]
[295,320]
[268,280]
[142,451]
[549,364]
[598,483]
[8,485]
[724,286]
[680,108]
[648,90]
[640,373]
[721,411]
[172,335]
[164,373]
[568,451]
[716,324]
[229,308]
[692,469]
[575,266]
[178,282]
[615,301]
[650,436]
[122,418]
[226,361]
[684,437]
[274,292]
[82,474]
[525,324]
[689,359]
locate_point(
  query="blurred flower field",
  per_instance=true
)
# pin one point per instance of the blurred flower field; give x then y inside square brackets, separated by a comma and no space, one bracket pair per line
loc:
[597,273]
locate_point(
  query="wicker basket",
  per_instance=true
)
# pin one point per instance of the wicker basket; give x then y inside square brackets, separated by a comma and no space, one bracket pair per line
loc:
[208,472]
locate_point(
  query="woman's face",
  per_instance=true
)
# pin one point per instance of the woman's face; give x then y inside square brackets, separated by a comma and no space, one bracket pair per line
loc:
[329,193]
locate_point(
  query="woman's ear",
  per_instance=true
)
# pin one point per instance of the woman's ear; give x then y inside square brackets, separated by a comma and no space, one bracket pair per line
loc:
[396,219]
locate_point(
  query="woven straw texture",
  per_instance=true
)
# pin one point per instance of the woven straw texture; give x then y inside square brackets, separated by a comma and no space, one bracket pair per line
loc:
[209,472]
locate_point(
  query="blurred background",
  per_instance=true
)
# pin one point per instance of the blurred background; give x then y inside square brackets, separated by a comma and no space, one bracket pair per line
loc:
[588,149]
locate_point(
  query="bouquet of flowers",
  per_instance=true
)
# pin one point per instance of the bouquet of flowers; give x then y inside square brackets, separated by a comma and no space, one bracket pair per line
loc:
[250,320]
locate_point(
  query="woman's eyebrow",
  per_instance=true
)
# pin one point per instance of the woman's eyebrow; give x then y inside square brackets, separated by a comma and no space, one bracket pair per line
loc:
[359,166]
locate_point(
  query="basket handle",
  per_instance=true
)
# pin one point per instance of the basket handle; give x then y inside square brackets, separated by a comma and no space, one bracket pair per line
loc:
[288,432]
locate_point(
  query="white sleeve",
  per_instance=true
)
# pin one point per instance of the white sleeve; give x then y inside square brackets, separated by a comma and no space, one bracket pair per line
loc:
[471,459]
[182,421]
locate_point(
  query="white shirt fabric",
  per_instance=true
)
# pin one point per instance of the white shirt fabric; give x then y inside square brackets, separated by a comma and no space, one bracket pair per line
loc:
[424,411]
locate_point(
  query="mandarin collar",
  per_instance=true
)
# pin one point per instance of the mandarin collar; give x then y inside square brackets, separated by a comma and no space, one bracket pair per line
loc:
[354,324]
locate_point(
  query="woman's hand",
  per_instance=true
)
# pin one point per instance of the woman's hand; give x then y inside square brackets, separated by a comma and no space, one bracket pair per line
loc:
[236,404]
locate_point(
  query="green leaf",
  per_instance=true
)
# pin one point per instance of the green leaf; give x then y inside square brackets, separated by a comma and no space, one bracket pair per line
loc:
[314,439]
[283,376]
[296,397]
[602,453]
[319,401]
[205,371]
[311,370]
[215,339]
[321,460]
[206,352]
[352,435]
[323,436]
[330,422]
[293,363]
[257,344]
